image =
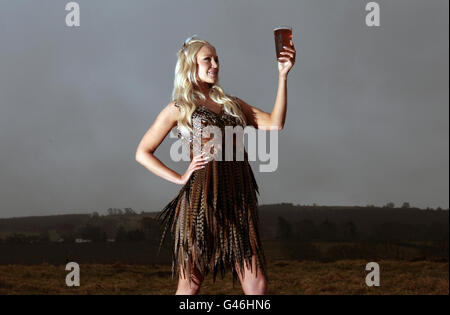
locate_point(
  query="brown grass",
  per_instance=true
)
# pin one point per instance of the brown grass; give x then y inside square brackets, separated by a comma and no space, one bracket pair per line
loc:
[285,277]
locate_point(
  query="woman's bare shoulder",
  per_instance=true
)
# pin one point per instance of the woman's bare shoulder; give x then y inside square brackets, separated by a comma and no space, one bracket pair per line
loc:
[168,116]
[172,110]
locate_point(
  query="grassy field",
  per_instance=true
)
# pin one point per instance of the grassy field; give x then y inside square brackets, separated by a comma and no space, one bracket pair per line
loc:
[285,277]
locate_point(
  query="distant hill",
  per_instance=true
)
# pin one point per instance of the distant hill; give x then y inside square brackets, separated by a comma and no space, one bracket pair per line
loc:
[369,222]
[298,221]
[295,231]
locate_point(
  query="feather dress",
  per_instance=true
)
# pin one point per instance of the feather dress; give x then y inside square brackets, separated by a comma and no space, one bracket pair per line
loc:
[214,217]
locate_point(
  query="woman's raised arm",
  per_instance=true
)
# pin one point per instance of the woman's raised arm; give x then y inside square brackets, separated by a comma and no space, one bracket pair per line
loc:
[275,120]
[265,121]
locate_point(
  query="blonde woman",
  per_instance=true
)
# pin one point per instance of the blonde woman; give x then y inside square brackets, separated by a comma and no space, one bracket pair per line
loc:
[213,219]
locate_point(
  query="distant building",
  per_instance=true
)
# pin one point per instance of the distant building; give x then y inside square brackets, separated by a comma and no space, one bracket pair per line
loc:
[111,240]
[80,240]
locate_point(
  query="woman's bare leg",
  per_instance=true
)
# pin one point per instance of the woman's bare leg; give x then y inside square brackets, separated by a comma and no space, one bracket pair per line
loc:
[252,284]
[183,283]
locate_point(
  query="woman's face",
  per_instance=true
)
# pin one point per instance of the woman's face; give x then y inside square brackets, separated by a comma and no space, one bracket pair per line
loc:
[207,64]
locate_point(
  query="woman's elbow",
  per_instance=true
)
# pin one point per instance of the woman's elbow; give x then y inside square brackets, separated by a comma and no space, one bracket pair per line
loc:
[275,124]
[270,127]
[275,127]
[140,154]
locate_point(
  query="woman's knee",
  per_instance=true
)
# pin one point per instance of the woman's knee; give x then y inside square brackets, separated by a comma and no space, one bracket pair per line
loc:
[253,280]
[255,286]
[186,287]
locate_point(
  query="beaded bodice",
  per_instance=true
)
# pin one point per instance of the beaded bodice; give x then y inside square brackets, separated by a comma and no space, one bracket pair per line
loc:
[201,118]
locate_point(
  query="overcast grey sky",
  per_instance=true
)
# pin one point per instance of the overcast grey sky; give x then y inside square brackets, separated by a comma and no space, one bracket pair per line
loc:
[367,115]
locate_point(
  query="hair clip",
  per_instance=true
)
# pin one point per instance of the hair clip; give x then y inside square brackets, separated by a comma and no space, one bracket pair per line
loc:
[186,42]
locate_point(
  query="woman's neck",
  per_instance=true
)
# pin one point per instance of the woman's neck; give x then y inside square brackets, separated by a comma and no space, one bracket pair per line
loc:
[204,88]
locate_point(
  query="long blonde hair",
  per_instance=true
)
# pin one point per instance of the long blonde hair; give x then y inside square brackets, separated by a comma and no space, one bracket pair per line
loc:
[185,91]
